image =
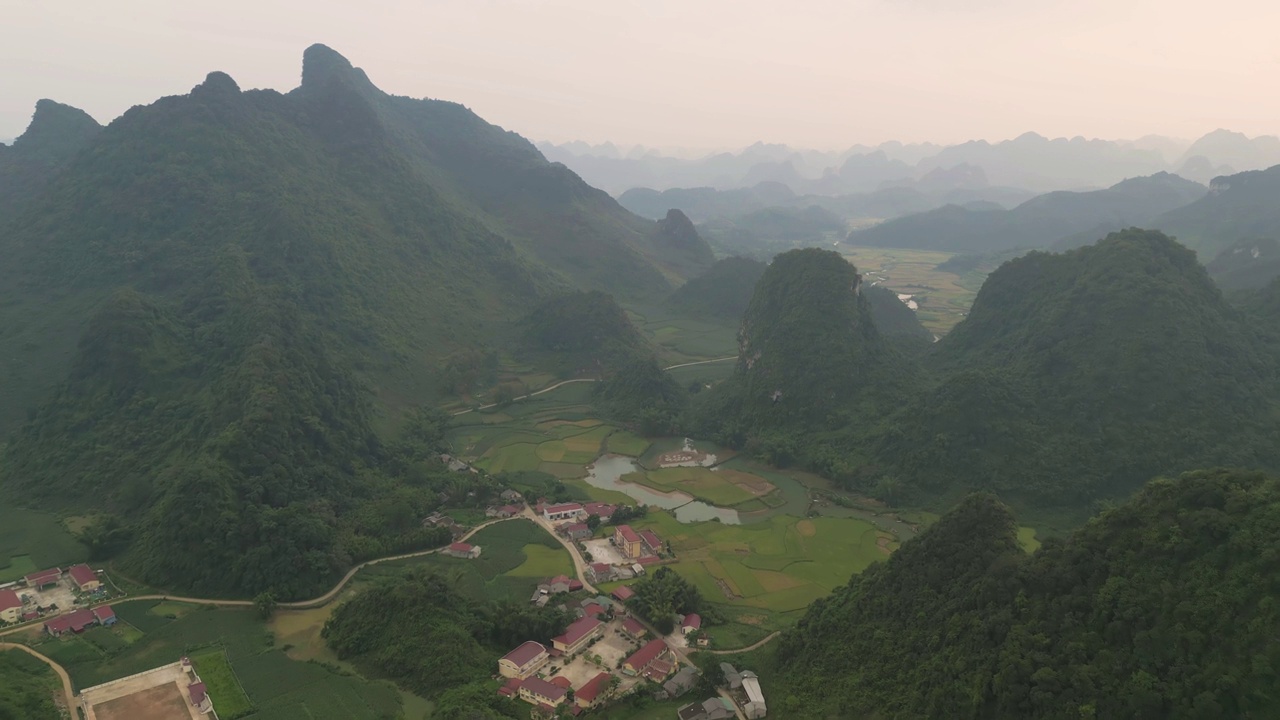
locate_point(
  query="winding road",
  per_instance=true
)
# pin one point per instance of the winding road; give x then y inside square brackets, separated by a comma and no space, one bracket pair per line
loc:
[66,679]
[562,383]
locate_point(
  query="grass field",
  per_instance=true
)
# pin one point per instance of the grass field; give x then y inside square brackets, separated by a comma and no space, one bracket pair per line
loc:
[683,339]
[625,443]
[31,540]
[276,685]
[717,488]
[1027,539]
[943,301]
[543,562]
[223,686]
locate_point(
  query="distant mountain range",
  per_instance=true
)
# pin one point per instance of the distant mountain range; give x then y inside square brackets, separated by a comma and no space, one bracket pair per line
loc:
[1029,162]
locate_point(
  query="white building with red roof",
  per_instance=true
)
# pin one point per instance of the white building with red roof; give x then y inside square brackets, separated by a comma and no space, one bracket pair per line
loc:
[537,691]
[84,578]
[579,633]
[463,550]
[639,661]
[564,511]
[43,578]
[691,622]
[524,661]
[628,542]
[10,606]
[593,692]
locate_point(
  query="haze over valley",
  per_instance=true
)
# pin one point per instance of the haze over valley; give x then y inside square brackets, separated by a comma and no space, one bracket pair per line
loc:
[338,401]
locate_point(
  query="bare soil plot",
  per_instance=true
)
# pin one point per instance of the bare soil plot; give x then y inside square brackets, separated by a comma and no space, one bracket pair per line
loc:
[158,703]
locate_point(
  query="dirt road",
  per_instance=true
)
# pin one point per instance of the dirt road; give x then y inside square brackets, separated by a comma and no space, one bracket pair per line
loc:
[66,679]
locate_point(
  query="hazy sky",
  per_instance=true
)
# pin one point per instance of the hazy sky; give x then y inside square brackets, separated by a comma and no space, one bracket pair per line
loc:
[694,73]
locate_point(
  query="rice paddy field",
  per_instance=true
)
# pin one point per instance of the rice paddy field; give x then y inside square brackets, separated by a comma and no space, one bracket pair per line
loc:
[943,298]
[683,339]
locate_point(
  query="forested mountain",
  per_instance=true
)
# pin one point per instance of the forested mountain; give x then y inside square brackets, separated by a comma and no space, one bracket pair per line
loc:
[1246,264]
[57,132]
[1238,207]
[581,332]
[1068,218]
[960,623]
[810,356]
[1075,377]
[212,305]
[893,318]
[724,291]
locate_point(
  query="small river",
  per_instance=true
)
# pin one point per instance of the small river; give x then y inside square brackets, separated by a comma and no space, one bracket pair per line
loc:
[607,471]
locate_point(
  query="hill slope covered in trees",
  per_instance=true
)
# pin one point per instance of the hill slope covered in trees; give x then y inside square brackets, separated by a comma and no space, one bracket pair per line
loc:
[960,623]
[214,305]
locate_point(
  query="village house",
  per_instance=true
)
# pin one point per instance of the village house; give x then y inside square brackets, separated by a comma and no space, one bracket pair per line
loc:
[604,511]
[504,511]
[679,684]
[10,606]
[576,531]
[623,593]
[463,550]
[455,464]
[690,623]
[537,691]
[658,670]
[199,695]
[524,661]
[437,519]
[716,708]
[599,572]
[578,635]
[632,628]
[77,621]
[651,541]
[83,577]
[628,542]
[593,692]
[640,661]
[511,496]
[564,511]
[754,707]
[43,579]
[560,584]
[732,678]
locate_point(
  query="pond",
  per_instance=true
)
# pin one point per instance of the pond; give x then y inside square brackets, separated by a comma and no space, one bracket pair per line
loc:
[607,471]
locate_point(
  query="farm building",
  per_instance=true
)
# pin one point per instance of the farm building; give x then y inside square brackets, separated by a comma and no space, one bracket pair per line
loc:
[633,629]
[678,685]
[732,678]
[658,670]
[577,635]
[10,606]
[463,550]
[561,584]
[84,578]
[640,660]
[592,609]
[511,496]
[576,531]
[199,695]
[651,541]
[716,708]
[755,707]
[77,620]
[44,578]
[628,541]
[537,691]
[604,511]
[690,623]
[623,593]
[599,572]
[593,692]
[564,511]
[524,660]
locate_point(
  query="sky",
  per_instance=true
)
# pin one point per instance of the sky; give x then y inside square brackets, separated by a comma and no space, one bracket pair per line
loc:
[823,74]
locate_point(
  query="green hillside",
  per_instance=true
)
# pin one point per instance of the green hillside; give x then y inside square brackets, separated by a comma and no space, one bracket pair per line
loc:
[1246,264]
[1239,207]
[960,623]
[1076,218]
[893,318]
[56,134]
[724,291]
[212,309]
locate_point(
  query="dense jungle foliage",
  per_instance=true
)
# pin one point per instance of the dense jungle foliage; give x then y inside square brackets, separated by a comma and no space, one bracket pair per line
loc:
[581,333]
[216,310]
[420,632]
[723,292]
[1074,378]
[640,393]
[895,321]
[663,595]
[1161,608]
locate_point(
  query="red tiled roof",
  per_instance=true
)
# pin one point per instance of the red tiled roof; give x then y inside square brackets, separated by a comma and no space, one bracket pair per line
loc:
[561,681]
[593,609]
[641,658]
[103,613]
[600,509]
[510,509]
[75,621]
[633,627]
[648,560]
[592,689]
[575,584]
[623,593]
[460,547]
[559,579]
[576,527]
[32,615]
[692,620]
[511,688]
[649,537]
[538,686]
[36,579]
[600,567]
[197,692]
[81,574]
[577,630]
[628,534]
[523,654]
[9,599]
[658,670]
